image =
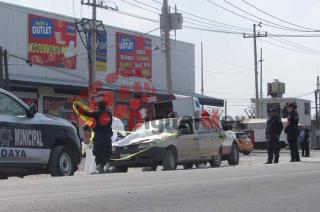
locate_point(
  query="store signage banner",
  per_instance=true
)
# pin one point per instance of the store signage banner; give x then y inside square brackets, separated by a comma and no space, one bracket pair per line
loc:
[134,56]
[101,61]
[52,42]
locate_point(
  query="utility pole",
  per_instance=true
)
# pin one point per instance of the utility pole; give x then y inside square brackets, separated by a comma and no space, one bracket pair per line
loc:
[1,67]
[225,113]
[92,26]
[256,70]
[202,85]
[261,76]
[166,28]
[6,70]
[92,74]
[202,82]
[255,36]
[317,101]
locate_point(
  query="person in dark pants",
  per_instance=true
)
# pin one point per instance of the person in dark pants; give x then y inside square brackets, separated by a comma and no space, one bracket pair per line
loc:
[273,132]
[102,143]
[292,131]
[305,146]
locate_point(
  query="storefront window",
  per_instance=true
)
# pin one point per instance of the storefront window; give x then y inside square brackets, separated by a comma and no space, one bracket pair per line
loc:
[60,107]
[30,101]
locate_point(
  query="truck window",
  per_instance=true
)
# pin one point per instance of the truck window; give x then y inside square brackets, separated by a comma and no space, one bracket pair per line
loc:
[185,128]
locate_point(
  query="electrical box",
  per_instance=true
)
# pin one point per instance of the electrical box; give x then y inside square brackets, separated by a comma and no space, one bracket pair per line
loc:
[176,21]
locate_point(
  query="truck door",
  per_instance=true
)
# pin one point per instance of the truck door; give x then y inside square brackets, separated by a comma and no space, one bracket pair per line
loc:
[20,139]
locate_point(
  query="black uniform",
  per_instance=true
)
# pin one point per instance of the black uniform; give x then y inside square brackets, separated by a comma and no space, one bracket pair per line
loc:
[102,142]
[292,131]
[273,132]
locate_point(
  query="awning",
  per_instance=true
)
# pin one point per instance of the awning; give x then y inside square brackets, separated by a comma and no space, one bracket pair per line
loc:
[208,100]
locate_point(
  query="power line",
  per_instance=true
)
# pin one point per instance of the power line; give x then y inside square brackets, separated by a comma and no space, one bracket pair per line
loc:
[278,26]
[135,5]
[148,5]
[275,25]
[216,22]
[210,22]
[284,21]
[290,49]
[158,2]
[213,30]
[228,63]
[297,45]
[135,16]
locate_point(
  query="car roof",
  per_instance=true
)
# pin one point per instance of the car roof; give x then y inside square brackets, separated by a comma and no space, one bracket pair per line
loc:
[14,97]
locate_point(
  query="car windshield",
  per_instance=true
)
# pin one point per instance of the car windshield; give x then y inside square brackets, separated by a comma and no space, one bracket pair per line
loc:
[156,127]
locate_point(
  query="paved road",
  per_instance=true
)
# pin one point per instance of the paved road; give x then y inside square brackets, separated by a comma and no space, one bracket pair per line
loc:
[283,187]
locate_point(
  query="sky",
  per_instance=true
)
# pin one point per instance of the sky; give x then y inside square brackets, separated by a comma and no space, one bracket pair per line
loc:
[228,58]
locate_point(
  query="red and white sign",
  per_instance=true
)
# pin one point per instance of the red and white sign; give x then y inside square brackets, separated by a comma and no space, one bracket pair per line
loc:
[52,42]
[134,56]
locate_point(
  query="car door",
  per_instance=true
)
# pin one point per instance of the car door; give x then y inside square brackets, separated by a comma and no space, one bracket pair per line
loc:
[187,144]
[20,140]
[209,138]
[203,132]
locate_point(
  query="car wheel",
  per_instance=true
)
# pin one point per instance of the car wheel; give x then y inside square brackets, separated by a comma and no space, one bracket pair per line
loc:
[246,153]
[216,160]
[233,159]
[188,166]
[170,161]
[154,168]
[3,177]
[61,162]
[150,168]
[121,169]
[201,165]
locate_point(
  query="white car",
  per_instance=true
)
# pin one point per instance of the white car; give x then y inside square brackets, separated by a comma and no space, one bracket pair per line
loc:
[230,149]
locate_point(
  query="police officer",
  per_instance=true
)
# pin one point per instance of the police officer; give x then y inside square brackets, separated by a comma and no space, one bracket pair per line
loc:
[102,142]
[292,131]
[305,143]
[273,132]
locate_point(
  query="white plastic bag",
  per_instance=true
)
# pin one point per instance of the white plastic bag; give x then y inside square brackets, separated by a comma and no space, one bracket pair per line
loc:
[90,164]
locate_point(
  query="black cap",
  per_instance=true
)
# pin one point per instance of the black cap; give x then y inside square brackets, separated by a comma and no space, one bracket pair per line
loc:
[292,104]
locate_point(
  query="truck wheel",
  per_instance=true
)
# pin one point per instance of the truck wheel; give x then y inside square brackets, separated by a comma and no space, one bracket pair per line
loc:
[61,162]
[188,166]
[233,158]
[216,160]
[170,161]
[121,169]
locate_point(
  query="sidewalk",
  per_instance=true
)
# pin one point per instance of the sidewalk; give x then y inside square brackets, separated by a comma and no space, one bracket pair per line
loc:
[259,157]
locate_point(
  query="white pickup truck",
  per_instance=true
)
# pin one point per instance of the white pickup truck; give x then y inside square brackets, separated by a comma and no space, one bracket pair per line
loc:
[180,106]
